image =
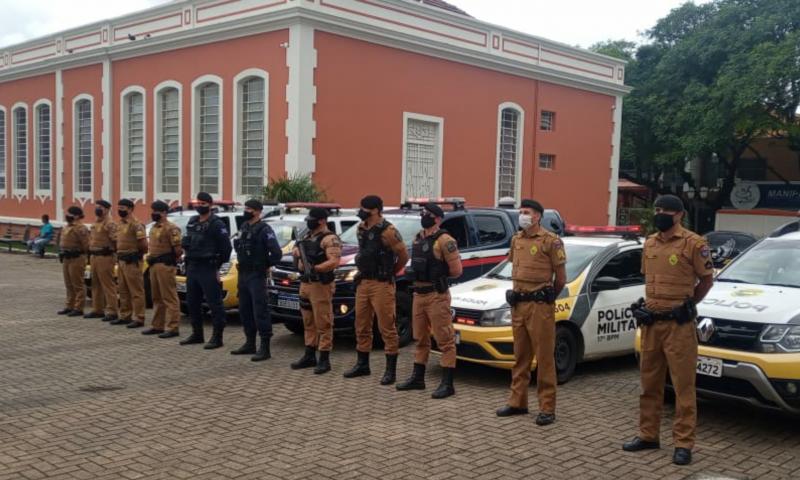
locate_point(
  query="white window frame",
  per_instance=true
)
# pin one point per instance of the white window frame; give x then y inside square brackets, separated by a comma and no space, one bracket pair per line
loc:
[552,163]
[157,187]
[195,125]
[520,145]
[20,193]
[439,150]
[4,133]
[238,80]
[124,98]
[552,121]
[42,193]
[82,197]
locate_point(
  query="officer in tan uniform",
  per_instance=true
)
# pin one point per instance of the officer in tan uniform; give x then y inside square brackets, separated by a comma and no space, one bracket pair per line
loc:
[538,272]
[323,250]
[102,241]
[381,256]
[434,259]
[131,247]
[73,247]
[678,272]
[163,254]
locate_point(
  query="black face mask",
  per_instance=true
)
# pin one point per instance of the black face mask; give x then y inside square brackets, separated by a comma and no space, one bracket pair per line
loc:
[363,214]
[312,224]
[122,213]
[427,221]
[663,221]
[98,212]
[155,216]
[248,216]
[203,210]
[69,218]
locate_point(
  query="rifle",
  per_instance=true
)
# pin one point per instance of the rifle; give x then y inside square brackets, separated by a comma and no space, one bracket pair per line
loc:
[308,270]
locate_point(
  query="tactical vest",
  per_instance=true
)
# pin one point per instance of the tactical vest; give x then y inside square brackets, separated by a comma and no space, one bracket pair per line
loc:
[374,260]
[424,264]
[250,251]
[531,263]
[71,238]
[670,275]
[99,239]
[126,237]
[198,243]
[316,254]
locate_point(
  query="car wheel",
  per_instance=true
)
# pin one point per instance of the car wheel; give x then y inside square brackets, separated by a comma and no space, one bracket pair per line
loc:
[566,352]
[294,326]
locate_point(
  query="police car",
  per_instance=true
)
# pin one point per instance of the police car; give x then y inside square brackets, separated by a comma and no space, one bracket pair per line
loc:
[593,316]
[748,327]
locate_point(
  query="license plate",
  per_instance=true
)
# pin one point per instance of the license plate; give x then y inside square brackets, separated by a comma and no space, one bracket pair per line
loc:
[458,337]
[709,366]
[180,287]
[291,303]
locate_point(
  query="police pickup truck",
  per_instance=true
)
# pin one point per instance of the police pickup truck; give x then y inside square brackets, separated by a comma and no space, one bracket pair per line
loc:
[483,236]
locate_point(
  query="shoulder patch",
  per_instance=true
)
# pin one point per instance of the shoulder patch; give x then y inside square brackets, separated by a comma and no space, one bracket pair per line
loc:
[705,251]
[451,246]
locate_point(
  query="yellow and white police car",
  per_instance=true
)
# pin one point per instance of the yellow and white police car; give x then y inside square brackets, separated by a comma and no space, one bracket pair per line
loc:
[593,316]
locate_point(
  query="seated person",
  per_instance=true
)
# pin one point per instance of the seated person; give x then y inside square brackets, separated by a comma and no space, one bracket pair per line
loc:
[39,243]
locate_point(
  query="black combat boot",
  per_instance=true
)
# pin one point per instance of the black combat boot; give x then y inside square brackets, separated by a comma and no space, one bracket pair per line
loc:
[194,338]
[248,348]
[445,388]
[216,340]
[324,364]
[390,375]
[263,351]
[416,381]
[309,359]
[361,367]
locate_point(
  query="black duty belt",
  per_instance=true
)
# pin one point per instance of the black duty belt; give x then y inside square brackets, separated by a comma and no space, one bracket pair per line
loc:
[166,259]
[105,252]
[70,253]
[544,295]
[130,257]
[426,290]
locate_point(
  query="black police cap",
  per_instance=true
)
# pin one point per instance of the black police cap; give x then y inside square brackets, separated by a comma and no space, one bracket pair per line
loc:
[75,210]
[372,201]
[254,204]
[318,213]
[125,203]
[102,203]
[532,204]
[159,206]
[670,203]
[434,209]
[205,197]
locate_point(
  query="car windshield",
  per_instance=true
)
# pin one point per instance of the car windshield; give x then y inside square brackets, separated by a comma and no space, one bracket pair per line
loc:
[768,263]
[285,232]
[578,258]
[407,225]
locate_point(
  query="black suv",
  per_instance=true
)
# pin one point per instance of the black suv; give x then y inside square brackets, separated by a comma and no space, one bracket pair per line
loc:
[483,236]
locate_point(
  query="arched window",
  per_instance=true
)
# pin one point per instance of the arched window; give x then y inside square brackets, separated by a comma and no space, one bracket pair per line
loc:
[43,147]
[168,141]
[251,136]
[133,141]
[208,145]
[21,149]
[84,153]
[509,151]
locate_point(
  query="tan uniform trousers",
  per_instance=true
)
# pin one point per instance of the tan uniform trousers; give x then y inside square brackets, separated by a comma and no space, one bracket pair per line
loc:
[375,298]
[667,345]
[318,322]
[104,288]
[431,315]
[166,308]
[73,269]
[131,291]
[534,329]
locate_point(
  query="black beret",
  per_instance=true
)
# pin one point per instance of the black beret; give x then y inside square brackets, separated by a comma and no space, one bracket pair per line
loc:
[318,213]
[434,209]
[205,197]
[670,203]
[75,210]
[125,203]
[254,204]
[532,204]
[372,201]
[159,206]
[102,203]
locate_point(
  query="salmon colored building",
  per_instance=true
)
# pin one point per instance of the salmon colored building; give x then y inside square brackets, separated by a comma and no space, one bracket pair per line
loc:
[395,97]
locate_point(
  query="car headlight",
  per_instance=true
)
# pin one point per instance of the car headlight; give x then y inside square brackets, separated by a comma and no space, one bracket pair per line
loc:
[780,338]
[346,274]
[500,317]
[225,268]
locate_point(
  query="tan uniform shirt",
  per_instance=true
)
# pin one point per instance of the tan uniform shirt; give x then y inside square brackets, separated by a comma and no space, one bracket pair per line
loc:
[164,238]
[534,258]
[75,237]
[672,268]
[129,232]
[445,248]
[332,246]
[103,235]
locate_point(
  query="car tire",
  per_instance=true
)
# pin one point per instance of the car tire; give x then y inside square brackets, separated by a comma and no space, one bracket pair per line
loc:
[294,326]
[566,353]
[402,323]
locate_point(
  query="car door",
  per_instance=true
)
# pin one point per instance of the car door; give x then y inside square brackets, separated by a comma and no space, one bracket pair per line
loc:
[493,232]
[458,228]
[610,327]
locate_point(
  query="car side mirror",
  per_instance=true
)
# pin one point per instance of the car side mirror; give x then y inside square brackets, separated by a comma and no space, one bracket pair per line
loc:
[603,284]
[555,226]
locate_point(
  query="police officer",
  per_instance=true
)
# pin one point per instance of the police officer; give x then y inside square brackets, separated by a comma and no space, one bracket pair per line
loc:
[207,246]
[131,247]
[381,255]
[537,256]
[73,247]
[678,272]
[323,249]
[102,242]
[164,252]
[257,249]
[434,259]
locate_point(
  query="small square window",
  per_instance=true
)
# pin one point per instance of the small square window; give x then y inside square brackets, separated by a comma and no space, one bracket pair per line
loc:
[548,123]
[547,161]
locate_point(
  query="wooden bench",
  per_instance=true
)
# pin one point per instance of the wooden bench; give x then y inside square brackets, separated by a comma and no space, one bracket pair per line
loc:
[13,233]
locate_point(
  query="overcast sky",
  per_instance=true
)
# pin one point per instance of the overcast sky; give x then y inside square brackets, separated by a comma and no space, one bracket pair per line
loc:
[576,22]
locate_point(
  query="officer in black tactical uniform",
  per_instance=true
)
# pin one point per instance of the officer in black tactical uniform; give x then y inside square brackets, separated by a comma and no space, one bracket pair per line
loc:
[207,246]
[257,250]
